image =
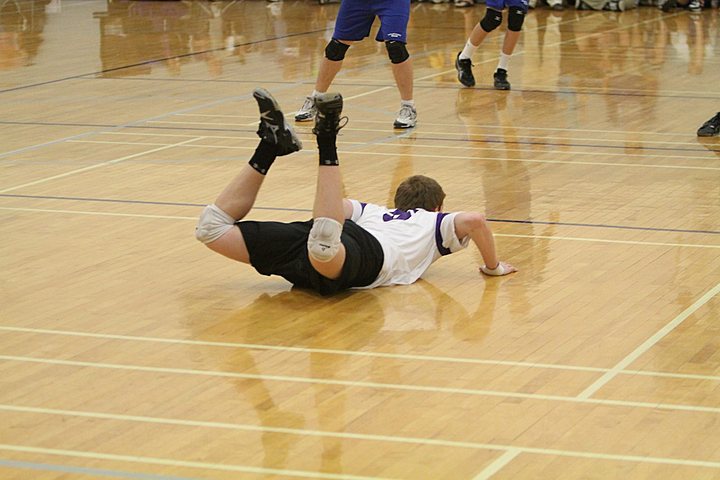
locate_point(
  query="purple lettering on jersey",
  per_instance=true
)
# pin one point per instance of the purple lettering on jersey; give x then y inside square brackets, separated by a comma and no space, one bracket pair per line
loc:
[362,207]
[438,235]
[397,214]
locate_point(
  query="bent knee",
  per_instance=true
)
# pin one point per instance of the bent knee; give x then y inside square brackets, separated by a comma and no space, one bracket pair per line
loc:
[212,224]
[324,240]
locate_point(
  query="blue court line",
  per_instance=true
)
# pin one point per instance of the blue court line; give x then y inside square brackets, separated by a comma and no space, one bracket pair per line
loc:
[158,60]
[132,124]
[503,142]
[142,202]
[143,127]
[419,87]
[88,471]
[495,220]
[617,147]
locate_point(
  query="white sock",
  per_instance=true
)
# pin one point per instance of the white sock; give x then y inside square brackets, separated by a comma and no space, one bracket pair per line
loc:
[315,93]
[410,103]
[504,60]
[468,51]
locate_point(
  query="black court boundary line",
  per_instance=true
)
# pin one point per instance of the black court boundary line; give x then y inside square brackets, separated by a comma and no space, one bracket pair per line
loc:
[504,142]
[496,220]
[158,60]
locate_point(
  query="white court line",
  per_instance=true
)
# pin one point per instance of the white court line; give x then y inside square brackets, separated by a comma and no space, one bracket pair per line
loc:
[503,149]
[253,428]
[98,165]
[498,464]
[466,125]
[357,353]
[465,157]
[415,145]
[602,240]
[124,125]
[180,463]
[361,436]
[470,134]
[362,384]
[544,237]
[648,344]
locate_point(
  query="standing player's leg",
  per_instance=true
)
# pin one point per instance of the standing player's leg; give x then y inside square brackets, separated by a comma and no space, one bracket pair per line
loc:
[216,227]
[325,249]
[403,73]
[353,23]
[394,18]
[329,68]
[463,61]
[516,17]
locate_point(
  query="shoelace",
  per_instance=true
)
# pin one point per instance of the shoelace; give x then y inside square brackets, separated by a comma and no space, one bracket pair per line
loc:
[308,105]
[406,113]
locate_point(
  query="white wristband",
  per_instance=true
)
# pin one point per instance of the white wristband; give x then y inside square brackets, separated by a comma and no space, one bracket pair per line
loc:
[495,272]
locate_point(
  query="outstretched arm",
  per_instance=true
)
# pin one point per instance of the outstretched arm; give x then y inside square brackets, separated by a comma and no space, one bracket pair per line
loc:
[475,225]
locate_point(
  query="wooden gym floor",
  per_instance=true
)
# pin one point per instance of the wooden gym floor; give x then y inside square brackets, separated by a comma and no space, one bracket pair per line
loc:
[128,350]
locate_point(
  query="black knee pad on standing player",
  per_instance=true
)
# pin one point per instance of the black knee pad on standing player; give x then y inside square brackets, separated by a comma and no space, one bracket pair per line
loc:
[491,20]
[397,51]
[516,17]
[335,50]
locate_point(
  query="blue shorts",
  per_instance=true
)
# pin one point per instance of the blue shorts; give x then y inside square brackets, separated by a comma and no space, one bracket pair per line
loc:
[500,5]
[355,18]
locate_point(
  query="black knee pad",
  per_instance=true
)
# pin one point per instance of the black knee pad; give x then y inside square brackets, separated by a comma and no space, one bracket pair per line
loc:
[335,50]
[516,17]
[397,51]
[491,20]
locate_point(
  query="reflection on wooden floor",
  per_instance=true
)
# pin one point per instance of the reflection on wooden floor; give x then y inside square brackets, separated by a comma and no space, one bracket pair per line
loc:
[128,350]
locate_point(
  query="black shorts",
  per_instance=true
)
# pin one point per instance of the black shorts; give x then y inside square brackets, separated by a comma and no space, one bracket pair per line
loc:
[278,248]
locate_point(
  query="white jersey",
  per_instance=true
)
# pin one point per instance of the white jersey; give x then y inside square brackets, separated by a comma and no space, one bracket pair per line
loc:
[411,241]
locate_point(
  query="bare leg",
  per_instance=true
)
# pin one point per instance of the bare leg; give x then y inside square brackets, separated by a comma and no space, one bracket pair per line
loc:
[236,200]
[403,73]
[511,39]
[328,70]
[239,196]
[329,204]
[328,209]
[478,35]
[216,227]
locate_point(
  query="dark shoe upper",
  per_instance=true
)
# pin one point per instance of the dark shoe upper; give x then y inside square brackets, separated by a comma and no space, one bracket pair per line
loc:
[464,71]
[327,120]
[711,127]
[668,5]
[273,128]
[500,78]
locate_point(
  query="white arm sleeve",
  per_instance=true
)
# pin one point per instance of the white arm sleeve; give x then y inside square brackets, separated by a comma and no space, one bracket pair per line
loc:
[357,210]
[450,239]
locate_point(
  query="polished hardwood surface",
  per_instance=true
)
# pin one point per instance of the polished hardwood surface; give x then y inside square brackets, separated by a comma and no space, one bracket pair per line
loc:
[128,350]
